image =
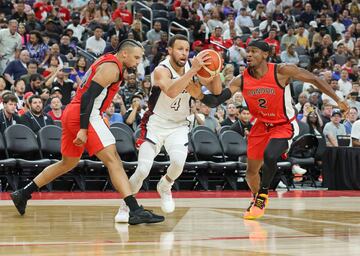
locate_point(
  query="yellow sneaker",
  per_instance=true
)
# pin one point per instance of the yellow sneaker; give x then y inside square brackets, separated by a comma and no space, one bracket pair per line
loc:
[248,209]
[257,210]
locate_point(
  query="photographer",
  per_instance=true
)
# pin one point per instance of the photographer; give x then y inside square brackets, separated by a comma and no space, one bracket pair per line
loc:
[132,117]
[61,79]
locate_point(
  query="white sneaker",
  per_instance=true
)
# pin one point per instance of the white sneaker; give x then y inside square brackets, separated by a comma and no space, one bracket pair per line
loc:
[164,189]
[281,185]
[296,169]
[123,213]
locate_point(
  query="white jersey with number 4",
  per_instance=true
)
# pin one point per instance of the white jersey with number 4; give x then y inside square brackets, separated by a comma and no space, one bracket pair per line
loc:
[162,107]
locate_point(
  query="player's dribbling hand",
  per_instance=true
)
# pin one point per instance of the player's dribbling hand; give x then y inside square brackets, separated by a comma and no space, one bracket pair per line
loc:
[81,138]
[200,60]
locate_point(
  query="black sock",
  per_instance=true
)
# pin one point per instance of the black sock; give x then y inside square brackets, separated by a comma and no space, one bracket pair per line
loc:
[30,188]
[263,190]
[131,203]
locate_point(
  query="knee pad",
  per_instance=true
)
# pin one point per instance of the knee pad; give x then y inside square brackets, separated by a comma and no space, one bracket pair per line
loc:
[143,169]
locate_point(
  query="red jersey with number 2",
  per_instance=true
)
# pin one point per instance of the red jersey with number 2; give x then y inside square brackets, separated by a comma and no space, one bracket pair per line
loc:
[266,99]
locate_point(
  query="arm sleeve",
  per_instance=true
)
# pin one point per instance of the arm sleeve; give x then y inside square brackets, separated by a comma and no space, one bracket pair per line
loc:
[87,103]
[215,100]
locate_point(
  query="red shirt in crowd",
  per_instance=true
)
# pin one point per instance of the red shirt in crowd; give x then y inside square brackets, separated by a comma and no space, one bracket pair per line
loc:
[125,15]
[275,43]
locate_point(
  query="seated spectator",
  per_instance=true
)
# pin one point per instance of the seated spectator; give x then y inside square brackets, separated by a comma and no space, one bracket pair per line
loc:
[302,99]
[242,125]
[55,92]
[130,88]
[209,121]
[352,99]
[315,123]
[8,114]
[154,34]
[289,56]
[114,41]
[80,68]
[19,90]
[326,112]
[119,29]
[26,106]
[333,129]
[123,13]
[35,84]
[32,67]
[237,53]
[103,14]
[111,116]
[35,119]
[355,134]
[345,85]
[61,79]
[95,44]
[132,117]
[66,48]
[351,117]
[56,111]
[17,68]
[327,99]
[231,114]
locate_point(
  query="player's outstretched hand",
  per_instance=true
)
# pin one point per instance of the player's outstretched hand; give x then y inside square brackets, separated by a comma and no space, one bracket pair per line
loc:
[344,106]
[194,89]
[202,59]
[81,138]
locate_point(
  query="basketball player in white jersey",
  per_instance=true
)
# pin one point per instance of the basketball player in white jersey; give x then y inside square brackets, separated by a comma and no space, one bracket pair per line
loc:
[165,122]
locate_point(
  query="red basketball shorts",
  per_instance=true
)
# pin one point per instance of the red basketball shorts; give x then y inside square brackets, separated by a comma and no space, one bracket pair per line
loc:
[99,135]
[261,133]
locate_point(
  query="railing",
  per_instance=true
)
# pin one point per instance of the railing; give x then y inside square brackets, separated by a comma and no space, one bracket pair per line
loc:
[180,26]
[150,21]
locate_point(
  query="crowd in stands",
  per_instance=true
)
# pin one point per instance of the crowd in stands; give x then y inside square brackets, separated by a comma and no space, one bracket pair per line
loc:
[45,47]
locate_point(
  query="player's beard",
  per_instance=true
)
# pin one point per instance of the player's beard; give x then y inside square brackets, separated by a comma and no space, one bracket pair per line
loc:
[178,62]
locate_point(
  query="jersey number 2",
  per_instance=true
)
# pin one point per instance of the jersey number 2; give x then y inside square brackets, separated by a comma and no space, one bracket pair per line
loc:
[262,103]
[176,104]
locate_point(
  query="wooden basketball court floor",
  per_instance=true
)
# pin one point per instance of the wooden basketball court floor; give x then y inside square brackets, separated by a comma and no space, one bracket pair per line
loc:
[204,223]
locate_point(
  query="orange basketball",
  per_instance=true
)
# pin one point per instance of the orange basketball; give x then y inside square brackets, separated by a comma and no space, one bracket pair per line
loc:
[214,67]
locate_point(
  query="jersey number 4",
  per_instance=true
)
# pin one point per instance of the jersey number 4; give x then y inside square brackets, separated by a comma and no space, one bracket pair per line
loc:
[262,103]
[176,104]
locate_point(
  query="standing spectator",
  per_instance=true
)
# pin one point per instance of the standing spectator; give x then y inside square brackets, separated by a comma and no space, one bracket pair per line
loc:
[17,68]
[351,117]
[19,14]
[10,44]
[355,134]
[38,50]
[56,111]
[334,128]
[345,85]
[35,119]
[8,116]
[123,13]
[76,27]
[95,44]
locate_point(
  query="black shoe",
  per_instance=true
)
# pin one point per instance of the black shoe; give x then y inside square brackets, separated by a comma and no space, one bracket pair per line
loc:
[20,200]
[144,216]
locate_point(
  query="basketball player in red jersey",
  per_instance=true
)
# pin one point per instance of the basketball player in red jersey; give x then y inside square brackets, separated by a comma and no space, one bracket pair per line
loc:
[264,86]
[83,128]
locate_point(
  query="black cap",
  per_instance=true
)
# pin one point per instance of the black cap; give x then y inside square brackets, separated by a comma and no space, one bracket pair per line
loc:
[336,112]
[56,89]
[262,45]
